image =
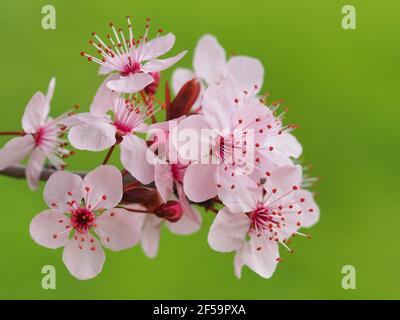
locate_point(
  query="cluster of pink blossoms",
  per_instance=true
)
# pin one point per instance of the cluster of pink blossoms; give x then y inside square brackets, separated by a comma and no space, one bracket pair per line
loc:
[221,147]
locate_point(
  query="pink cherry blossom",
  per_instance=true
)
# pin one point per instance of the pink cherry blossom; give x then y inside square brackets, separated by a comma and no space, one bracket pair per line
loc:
[268,214]
[41,138]
[212,68]
[112,116]
[80,208]
[134,59]
[249,140]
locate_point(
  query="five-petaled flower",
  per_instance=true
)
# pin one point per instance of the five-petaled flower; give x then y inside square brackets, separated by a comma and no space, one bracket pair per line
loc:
[82,212]
[268,214]
[42,138]
[134,59]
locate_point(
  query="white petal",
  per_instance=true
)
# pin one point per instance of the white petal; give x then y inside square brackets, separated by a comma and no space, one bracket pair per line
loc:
[151,235]
[157,47]
[217,108]
[259,254]
[118,229]
[131,83]
[15,150]
[105,98]
[310,210]
[48,229]
[92,136]
[286,144]
[247,73]
[50,90]
[35,167]
[199,182]
[156,65]
[228,231]
[61,188]
[137,158]
[102,187]
[84,259]
[209,59]
[163,180]
[185,225]
[36,113]
[179,77]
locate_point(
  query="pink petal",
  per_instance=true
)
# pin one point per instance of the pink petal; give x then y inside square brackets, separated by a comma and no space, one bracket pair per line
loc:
[247,72]
[185,225]
[310,210]
[118,229]
[92,136]
[83,259]
[104,70]
[209,60]
[163,180]
[228,231]
[218,108]
[15,150]
[156,47]
[179,77]
[188,209]
[61,188]
[36,113]
[286,144]
[102,187]
[283,179]
[187,139]
[151,235]
[160,65]
[243,196]
[131,83]
[199,182]
[137,158]
[49,229]
[50,90]
[105,98]
[259,254]
[35,167]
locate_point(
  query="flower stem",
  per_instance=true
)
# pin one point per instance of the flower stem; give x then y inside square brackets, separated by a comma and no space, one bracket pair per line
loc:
[12,133]
[109,153]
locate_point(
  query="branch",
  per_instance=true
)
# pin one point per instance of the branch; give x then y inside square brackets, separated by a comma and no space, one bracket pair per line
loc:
[18,172]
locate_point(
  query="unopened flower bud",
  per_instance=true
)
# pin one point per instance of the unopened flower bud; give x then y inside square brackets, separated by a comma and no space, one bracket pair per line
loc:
[152,87]
[171,211]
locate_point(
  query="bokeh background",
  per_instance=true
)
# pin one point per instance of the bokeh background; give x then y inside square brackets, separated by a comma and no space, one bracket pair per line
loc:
[342,88]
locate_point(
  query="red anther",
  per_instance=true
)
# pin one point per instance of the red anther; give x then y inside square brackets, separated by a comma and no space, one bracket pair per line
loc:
[104,197]
[257,145]
[93,248]
[302,200]
[111,24]
[257,119]
[90,58]
[268,174]
[295,187]
[233,186]
[311,210]
[271,148]
[269,126]
[93,34]
[274,190]
[259,248]
[236,100]
[87,189]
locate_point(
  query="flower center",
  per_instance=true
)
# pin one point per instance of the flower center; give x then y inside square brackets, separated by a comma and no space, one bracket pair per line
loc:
[39,136]
[131,67]
[264,219]
[82,220]
[122,128]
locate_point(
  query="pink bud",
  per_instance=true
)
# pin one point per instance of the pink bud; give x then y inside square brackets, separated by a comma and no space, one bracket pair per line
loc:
[171,211]
[152,87]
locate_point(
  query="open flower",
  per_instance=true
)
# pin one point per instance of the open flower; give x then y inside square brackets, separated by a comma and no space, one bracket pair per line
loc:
[134,59]
[246,139]
[42,138]
[113,117]
[79,210]
[268,214]
[211,67]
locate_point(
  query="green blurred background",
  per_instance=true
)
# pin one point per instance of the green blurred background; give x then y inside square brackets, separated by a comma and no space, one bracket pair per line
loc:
[342,87]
